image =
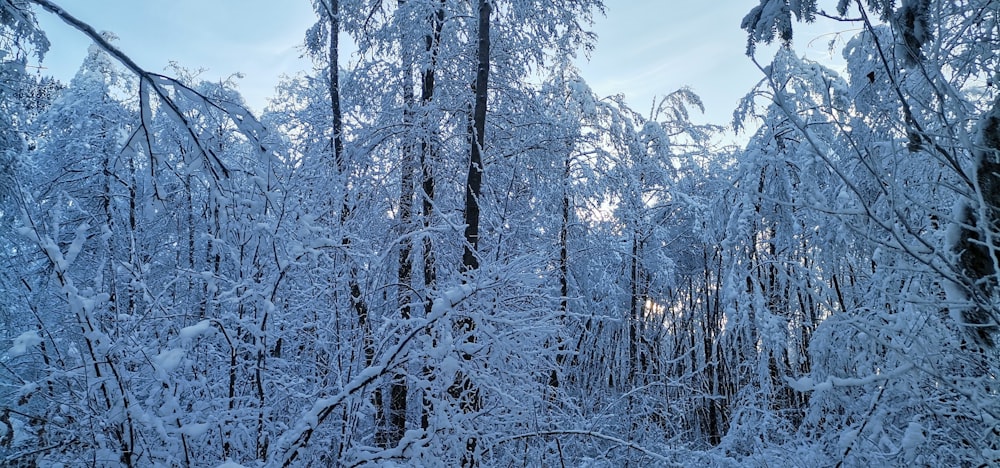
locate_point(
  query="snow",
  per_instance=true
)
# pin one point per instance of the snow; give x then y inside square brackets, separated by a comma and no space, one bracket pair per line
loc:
[803,384]
[448,367]
[230,464]
[451,298]
[912,438]
[167,361]
[195,430]
[77,245]
[990,454]
[847,438]
[188,334]
[807,384]
[52,251]
[28,388]
[194,331]
[23,342]
[21,434]
[774,268]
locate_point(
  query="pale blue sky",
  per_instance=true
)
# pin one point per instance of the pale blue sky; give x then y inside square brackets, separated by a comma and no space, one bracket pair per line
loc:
[646,48]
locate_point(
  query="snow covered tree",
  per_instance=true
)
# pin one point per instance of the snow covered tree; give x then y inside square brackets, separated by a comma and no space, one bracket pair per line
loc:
[900,145]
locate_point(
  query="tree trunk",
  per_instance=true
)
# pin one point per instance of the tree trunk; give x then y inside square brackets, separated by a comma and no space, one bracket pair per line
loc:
[634,316]
[563,274]
[428,156]
[474,181]
[464,389]
[428,150]
[334,62]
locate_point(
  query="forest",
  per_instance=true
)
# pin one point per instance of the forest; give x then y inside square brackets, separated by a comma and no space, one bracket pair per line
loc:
[453,252]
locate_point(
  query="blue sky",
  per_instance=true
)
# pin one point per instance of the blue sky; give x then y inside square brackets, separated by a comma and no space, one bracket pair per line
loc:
[646,48]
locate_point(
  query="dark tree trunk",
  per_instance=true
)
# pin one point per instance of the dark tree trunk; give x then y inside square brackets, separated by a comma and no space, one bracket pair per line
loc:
[976,248]
[563,273]
[474,182]
[428,156]
[464,389]
[334,61]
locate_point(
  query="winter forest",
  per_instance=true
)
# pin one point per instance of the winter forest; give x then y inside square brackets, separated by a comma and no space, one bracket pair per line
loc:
[454,253]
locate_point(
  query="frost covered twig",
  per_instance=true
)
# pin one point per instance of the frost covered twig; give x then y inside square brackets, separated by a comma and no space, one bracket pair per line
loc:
[591,434]
[302,432]
[158,85]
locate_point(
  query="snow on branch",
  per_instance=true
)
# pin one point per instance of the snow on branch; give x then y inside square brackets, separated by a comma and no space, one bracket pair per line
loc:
[594,435]
[154,84]
[808,384]
[298,437]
